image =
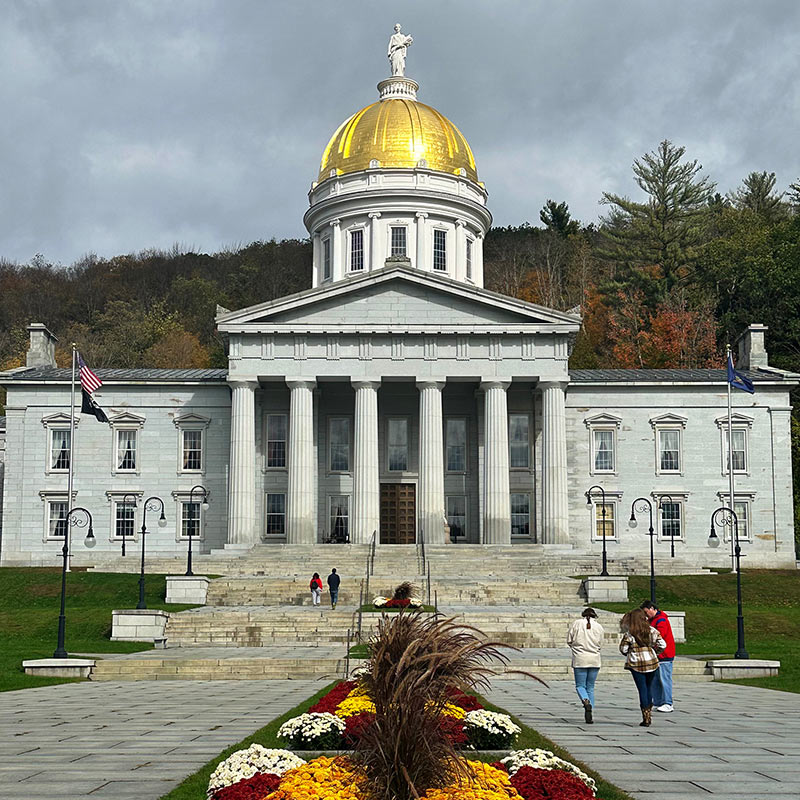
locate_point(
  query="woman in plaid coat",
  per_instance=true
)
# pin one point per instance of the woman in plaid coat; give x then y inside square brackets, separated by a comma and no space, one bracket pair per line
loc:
[641,645]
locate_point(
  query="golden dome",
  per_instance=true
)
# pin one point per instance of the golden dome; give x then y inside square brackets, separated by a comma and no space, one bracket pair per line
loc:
[398,133]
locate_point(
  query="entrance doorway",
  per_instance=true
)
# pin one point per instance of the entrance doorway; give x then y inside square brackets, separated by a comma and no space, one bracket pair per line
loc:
[398,513]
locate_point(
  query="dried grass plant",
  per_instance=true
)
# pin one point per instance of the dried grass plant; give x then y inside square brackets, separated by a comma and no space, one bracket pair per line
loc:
[404,591]
[415,661]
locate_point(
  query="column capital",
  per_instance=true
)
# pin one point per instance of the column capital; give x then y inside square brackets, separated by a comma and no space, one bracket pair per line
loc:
[461,223]
[436,383]
[366,383]
[421,215]
[235,384]
[553,385]
[335,223]
[301,383]
[495,383]
[374,214]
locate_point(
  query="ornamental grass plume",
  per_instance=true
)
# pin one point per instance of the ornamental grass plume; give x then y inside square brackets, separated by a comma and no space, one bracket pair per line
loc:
[416,661]
[404,591]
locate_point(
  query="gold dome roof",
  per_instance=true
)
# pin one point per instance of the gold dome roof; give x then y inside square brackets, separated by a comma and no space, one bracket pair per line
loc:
[398,132]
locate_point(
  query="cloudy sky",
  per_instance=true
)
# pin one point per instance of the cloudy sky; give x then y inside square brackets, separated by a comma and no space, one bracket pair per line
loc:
[131,124]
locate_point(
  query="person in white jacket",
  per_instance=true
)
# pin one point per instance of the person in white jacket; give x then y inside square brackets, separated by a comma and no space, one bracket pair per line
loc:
[585,639]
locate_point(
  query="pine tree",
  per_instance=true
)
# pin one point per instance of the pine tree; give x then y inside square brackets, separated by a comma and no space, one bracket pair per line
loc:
[757,194]
[556,217]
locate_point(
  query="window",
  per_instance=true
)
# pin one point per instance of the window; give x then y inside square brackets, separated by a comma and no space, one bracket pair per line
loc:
[603,450]
[126,451]
[518,441]
[356,250]
[670,517]
[326,259]
[605,523]
[520,514]
[339,437]
[124,519]
[340,517]
[190,518]
[398,241]
[59,450]
[669,450]
[440,250]
[738,452]
[457,515]
[456,445]
[57,511]
[276,514]
[192,451]
[742,510]
[469,259]
[276,440]
[398,445]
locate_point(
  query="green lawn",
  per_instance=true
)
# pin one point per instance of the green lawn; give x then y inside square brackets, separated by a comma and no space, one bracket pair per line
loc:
[771,605]
[29,606]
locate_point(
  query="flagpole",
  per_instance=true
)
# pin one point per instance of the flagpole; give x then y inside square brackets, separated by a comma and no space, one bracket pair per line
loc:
[68,532]
[731,496]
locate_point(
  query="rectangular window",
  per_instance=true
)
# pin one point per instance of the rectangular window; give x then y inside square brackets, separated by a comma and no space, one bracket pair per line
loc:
[276,440]
[457,516]
[192,459]
[190,519]
[339,428]
[57,518]
[456,445]
[669,450]
[340,517]
[59,451]
[356,250]
[603,445]
[739,452]
[520,514]
[398,445]
[276,514]
[742,510]
[398,246]
[469,259]
[440,250]
[126,451]
[326,259]
[604,525]
[670,520]
[124,520]
[518,441]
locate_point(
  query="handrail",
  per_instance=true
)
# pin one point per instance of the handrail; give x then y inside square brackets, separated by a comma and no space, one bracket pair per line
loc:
[429,583]
[373,548]
[422,547]
[347,657]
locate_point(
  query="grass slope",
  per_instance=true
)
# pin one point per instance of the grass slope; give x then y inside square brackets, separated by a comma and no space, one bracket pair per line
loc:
[29,606]
[771,608]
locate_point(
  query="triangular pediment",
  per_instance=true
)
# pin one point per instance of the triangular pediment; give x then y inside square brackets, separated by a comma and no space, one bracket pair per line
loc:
[740,420]
[396,297]
[127,418]
[669,419]
[605,419]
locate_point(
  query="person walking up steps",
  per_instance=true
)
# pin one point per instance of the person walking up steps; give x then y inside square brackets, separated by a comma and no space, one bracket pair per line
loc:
[585,639]
[316,589]
[641,645]
[662,688]
[333,587]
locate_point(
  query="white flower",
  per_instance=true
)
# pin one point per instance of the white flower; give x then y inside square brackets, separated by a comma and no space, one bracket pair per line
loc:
[310,726]
[361,669]
[379,602]
[415,602]
[543,759]
[246,763]
[492,722]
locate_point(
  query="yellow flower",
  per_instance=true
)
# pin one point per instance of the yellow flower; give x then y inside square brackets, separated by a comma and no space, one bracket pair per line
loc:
[321,779]
[354,705]
[487,783]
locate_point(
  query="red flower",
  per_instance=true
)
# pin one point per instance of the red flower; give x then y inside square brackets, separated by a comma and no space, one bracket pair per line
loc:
[466,701]
[454,729]
[499,765]
[355,725]
[255,788]
[330,701]
[395,602]
[549,784]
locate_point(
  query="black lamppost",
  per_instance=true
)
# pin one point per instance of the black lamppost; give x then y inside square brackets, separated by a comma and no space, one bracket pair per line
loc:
[125,526]
[151,504]
[729,517]
[642,504]
[201,490]
[84,518]
[604,571]
[661,500]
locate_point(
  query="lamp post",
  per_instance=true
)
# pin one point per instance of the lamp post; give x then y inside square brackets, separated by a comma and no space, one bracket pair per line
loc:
[604,571]
[125,526]
[669,499]
[729,517]
[151,504]
[204,506]
[84,518]
[641,504]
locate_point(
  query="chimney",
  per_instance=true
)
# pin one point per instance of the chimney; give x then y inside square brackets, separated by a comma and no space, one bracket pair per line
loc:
[752,350]
[42,349]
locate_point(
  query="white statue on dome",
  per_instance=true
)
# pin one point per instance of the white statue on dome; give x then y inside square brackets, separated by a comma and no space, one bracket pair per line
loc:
[398,46]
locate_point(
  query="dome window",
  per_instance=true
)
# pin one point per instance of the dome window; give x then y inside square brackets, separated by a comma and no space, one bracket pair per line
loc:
[440,250]
[462,172]
[332,173]
[423,163]
[374,164]
[356,250]
[398,240]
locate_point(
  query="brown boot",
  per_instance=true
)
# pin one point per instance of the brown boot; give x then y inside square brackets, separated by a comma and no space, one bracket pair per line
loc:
[647,714]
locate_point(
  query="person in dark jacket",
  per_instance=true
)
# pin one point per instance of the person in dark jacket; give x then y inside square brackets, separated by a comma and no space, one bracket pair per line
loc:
[333,586]
[662,689]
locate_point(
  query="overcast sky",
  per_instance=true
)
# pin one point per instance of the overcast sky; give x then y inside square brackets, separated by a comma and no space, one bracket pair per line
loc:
[131,124]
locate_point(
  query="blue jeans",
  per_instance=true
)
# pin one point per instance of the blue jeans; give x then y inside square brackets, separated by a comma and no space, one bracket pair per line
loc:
[645,682]
[662,689]
[584,682]
[334,596]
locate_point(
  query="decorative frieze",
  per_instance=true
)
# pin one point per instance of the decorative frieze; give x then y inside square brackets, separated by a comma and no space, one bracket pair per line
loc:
[397,348]
[495,348]
[332,348]
[267,348]
[299,348]
[364,348]
[430,349]
[462,348]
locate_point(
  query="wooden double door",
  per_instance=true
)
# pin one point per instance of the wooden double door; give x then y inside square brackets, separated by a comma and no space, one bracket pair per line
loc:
[398,513]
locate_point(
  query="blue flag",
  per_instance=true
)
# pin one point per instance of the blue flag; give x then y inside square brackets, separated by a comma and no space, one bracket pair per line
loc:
[737,380]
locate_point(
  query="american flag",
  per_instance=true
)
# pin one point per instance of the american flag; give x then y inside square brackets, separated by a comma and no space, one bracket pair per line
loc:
[89,381]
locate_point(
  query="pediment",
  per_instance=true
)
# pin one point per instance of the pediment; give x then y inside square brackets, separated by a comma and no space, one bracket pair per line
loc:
[605,419]
[669,419]
[59,420]
[191,420]
[126,418]
[395,297]
[737,419]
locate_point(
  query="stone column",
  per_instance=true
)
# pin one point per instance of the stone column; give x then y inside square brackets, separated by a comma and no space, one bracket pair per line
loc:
[555,513]
[242,483]
[497,522]
[316,260]
[460,271]
[430,497]
[365,514]
[301,500]
[374,261]
[337,256]
[420,260]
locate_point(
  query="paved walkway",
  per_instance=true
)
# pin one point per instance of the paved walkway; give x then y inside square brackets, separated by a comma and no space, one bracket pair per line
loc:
[128,740]
[722,741]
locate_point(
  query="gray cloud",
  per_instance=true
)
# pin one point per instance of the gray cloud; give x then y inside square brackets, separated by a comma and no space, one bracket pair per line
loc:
[130,125]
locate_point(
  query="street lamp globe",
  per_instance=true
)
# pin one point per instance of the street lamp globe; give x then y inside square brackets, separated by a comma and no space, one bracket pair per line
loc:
[632,522]
[205,506]
[90,541]
[713,539]
[162,521]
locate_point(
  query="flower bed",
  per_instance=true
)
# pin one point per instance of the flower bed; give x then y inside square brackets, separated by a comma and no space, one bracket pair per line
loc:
[396,602]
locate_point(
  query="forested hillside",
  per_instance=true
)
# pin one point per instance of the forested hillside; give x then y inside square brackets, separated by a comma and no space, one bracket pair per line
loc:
[665,279]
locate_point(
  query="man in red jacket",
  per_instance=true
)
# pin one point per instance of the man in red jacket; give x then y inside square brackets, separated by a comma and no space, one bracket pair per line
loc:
[662,689]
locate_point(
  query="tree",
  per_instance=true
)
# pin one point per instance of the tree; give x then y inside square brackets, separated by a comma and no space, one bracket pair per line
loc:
[556,217]
[757,194]
[665,230]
